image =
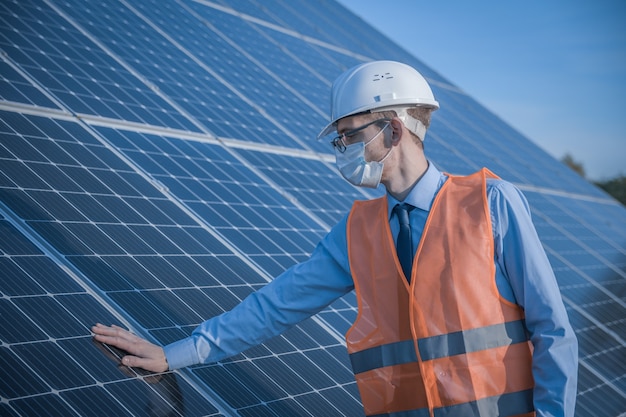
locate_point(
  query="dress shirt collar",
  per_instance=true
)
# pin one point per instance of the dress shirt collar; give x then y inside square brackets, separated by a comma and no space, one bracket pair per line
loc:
[423,193]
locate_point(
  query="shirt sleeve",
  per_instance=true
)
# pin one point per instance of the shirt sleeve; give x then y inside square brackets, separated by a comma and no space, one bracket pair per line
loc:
[298,293]
[521,257]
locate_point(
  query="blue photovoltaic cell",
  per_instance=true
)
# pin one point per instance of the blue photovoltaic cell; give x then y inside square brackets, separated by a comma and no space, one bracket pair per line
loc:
[158,164]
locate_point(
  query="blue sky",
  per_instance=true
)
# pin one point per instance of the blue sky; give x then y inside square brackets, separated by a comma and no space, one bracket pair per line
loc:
[555,70]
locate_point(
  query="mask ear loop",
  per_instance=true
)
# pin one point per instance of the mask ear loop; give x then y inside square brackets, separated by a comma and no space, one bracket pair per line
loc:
[411,123]
[390,149]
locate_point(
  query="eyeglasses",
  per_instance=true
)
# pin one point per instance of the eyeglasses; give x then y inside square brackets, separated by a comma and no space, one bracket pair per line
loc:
[339,142]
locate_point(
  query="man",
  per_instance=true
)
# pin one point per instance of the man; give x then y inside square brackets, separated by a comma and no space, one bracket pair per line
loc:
[462,318]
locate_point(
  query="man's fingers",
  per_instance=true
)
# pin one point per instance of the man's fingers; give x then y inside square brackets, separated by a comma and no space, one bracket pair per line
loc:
[136,362]
[116,341]
[112,329]
[101,329]
[150,364]
[130,361]
[117,337]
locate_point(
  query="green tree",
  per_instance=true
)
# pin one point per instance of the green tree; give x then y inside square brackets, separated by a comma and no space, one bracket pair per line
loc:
[616,187]
[574,165]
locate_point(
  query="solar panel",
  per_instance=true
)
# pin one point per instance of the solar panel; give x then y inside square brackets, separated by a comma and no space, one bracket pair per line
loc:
[157,165]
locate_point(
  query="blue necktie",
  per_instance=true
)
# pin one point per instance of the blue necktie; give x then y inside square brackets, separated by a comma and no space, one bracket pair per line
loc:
[403,244]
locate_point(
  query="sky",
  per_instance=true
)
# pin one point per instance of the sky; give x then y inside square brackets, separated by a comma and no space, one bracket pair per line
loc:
[555,70]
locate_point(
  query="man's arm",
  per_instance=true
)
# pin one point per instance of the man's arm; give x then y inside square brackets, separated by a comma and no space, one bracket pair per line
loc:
[521,256]
[298,293]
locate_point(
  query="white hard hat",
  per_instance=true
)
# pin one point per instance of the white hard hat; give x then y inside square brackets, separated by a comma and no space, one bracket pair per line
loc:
[374,86]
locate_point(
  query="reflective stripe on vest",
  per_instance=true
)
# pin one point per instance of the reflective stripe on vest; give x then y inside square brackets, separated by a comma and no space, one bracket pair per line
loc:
[434,347]
[447,344]
[513,404]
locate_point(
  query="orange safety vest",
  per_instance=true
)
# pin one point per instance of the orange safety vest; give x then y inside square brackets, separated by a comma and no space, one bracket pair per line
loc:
[447,344]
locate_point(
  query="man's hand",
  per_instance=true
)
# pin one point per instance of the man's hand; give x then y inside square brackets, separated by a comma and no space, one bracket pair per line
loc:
[143,354]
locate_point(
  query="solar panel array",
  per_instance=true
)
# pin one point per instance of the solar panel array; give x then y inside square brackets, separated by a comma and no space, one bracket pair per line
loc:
[158,164]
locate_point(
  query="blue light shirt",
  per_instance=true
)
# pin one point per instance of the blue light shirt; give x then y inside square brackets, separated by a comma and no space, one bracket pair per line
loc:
[523,276]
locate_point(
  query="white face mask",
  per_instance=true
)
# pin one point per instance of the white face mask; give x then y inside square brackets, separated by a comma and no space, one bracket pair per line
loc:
[355,169]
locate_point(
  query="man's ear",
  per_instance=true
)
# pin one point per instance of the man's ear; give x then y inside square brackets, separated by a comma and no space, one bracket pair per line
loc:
[397,130]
